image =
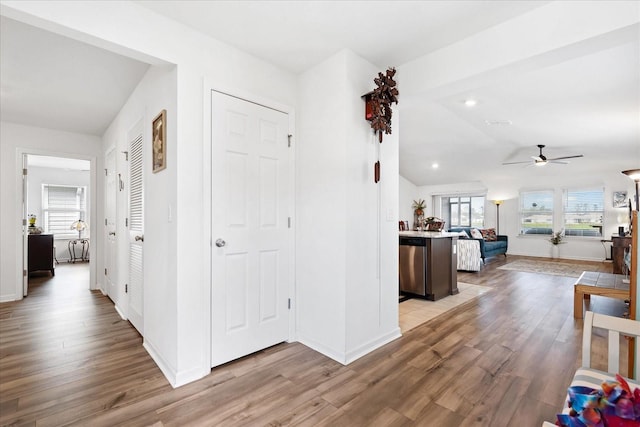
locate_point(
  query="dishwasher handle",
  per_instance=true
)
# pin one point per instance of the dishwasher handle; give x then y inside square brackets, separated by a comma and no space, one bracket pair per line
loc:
[412,241]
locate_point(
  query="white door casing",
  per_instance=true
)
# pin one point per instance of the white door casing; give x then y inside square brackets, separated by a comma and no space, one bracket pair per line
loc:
[110,209]
[251,205]
[25,228]
[135,283]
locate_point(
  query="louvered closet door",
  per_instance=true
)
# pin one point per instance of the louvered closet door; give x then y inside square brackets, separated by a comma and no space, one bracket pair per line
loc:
[136,233]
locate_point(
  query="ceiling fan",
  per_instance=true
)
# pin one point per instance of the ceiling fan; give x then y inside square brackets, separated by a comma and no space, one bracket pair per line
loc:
[541,159]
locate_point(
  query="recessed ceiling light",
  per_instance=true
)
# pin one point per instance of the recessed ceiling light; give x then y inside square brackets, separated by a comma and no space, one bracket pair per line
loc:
[470,102]
[435,166]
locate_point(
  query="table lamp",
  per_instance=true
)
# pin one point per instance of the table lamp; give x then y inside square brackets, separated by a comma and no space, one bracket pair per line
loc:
[80,226]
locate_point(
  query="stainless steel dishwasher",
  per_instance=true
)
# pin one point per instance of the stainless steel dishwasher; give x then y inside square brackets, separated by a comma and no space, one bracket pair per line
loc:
[413,256]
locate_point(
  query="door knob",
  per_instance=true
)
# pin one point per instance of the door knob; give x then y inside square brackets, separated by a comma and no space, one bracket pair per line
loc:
[220,243]
[112,233]
[139,238]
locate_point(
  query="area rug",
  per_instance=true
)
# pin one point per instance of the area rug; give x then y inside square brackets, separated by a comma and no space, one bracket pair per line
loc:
[415,311]
[548,267]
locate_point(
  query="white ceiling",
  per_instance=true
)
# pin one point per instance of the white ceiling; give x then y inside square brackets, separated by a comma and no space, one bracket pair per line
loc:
[584,101]
[51,81]
[297,35]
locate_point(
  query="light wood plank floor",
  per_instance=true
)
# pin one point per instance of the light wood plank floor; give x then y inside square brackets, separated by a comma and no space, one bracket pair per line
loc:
[505,359]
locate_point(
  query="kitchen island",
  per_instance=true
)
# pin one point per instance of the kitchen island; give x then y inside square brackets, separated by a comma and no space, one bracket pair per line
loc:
[428,264]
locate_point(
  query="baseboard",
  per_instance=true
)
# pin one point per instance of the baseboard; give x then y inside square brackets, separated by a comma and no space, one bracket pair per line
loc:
[347,357]
[186,377]
[9,298]
[167,371]
[331,353]
[373,345]
[122,316]
[572,258]
[176,379]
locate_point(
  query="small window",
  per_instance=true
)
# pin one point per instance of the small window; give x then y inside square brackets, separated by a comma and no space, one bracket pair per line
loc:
[465,211]
[61,206]
[536,212]
[583,212]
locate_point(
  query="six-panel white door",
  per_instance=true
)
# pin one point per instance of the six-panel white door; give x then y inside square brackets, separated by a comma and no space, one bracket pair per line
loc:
[110,197]
[251,202]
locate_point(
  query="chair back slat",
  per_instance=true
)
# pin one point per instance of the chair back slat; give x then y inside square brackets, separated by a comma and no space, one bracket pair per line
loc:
[613,356]
[615,327]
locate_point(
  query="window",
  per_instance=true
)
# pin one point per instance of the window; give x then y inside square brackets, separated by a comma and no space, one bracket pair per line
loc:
[583,212]
[536,212]
[61,206]
[465,211]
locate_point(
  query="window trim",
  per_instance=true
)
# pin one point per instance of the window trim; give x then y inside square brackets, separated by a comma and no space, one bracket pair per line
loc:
[602,212]
[551,212]
[470,210]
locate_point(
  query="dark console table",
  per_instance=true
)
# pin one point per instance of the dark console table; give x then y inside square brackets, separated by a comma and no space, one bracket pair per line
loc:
[40,253]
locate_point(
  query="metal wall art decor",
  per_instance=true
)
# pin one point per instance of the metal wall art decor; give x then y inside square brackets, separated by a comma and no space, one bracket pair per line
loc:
[378,108]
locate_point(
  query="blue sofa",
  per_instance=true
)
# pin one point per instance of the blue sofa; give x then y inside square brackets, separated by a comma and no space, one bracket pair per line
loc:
[487,249]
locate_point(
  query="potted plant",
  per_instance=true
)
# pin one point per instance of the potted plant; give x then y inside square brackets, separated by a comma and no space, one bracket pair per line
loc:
[419,206]
[556,237]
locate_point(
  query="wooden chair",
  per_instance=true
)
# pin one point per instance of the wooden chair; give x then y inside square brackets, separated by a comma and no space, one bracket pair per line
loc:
[589,377]
[615,326]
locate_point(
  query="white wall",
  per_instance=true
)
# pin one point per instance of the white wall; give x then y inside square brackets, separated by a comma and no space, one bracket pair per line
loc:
[346,237]
[178,325]
[42,175]
[408,192]
[157,91]
[14,140]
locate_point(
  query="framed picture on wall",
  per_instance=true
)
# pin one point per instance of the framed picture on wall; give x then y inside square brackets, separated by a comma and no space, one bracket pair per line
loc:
[159,138]
[620,199]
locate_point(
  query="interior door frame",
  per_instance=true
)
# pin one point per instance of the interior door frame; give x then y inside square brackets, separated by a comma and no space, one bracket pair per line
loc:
[207,159]
[93,216]
[25,229]
[112,293]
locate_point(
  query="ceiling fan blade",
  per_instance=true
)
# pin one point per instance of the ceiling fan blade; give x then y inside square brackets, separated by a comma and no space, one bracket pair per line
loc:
[541,159]
[516,163]
[567,157]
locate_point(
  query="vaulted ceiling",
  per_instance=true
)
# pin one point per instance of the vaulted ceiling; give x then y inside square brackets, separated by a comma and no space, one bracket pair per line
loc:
[579,98]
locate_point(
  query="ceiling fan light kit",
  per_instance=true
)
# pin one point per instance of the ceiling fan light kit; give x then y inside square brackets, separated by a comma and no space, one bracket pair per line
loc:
[541,159]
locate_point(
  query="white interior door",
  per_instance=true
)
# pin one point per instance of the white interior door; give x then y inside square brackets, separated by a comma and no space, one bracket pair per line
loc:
[135,285]
[110,203]
[251,200]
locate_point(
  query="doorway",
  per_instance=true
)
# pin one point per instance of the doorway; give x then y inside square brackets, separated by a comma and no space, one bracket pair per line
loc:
[57,216]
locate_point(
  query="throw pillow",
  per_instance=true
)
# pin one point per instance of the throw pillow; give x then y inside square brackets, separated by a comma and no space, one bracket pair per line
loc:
[463,234]
[489,234]
[476,234]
